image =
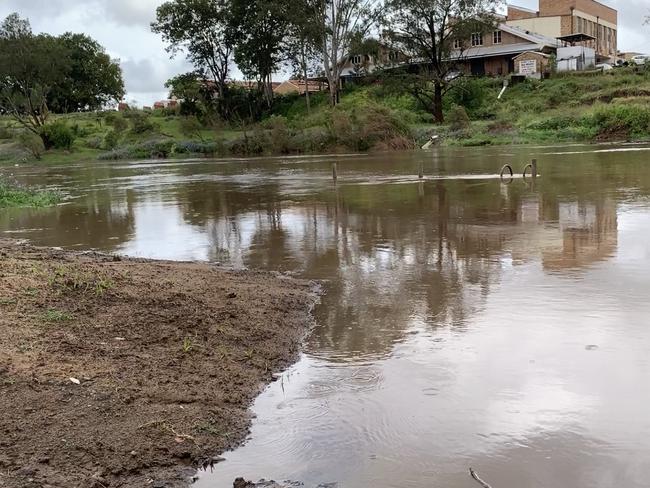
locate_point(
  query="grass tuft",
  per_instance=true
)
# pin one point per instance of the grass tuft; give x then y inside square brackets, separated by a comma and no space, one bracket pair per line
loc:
[17,196]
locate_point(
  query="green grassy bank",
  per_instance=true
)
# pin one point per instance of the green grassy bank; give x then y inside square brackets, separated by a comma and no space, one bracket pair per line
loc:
[376,117]
[12,195]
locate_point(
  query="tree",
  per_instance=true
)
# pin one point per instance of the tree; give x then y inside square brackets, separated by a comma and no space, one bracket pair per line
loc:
[201,29]
[260,28]
[30,66]
[195,95]
[436,33]
[303,41]
[13,27]
[339,23]
[93,79]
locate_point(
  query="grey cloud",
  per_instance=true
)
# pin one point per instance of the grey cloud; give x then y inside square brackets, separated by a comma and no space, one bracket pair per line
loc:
[121,12]
[128,12]
[150,75]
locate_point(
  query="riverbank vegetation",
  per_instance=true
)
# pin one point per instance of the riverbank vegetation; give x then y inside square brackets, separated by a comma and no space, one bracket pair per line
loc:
[375,116]
[13,195]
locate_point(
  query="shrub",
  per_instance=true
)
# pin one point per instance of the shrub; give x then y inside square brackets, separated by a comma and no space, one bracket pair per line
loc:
[458,119]
[117,122]
[191,127]
[32,143]
[279,136]
[192,147]
[619,119]
[476,95]
[5,133]
[57,135]
[141,123]
[312,139]
[111,139]
[556,122]
[94,143]
[146,150]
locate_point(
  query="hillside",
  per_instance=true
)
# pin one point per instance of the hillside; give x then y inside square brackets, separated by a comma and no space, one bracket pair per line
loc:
[379,116]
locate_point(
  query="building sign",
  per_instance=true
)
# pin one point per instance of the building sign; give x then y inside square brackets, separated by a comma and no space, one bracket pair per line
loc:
[528,67]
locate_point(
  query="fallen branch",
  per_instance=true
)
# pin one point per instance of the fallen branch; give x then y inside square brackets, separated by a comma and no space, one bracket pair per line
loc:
[476,477]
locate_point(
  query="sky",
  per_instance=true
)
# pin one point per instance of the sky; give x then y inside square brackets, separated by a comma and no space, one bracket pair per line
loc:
[122,27]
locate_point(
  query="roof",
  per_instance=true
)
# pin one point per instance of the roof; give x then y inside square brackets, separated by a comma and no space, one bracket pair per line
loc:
[528,35]
[523,9]
[533,52]
[579,37]
[500,50]
[299,85]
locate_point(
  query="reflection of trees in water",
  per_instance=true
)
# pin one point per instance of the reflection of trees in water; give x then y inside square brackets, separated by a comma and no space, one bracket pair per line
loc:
[101,221]
[395,256]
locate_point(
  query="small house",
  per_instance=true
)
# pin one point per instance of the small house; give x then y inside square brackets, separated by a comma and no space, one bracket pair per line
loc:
[532,64]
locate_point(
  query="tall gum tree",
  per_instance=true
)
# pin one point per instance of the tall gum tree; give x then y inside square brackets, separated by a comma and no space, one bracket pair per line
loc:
[340,22]
[259,30]
[435,35]
[200,29]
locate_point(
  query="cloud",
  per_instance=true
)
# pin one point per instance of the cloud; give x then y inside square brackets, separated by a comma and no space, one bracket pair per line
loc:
[129,12]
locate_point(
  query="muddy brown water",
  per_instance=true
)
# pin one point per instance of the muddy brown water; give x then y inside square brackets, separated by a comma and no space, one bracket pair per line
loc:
[467,322]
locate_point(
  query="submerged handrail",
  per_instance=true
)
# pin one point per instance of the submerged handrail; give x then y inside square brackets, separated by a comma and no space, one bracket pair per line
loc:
[503,170]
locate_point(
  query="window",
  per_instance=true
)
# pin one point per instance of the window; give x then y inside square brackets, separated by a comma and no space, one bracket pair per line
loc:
[496,37]
[457,44]
[392,56]
[477,39]
[357,59]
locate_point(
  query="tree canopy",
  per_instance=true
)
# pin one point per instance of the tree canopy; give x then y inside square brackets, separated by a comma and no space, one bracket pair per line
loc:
[436,33]
[42,73]
[200,29]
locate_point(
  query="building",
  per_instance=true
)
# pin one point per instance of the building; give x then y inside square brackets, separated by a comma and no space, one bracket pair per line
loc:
[586,23]
[494,53]
[365,64]
[532,64]
[163,104]
[299,86]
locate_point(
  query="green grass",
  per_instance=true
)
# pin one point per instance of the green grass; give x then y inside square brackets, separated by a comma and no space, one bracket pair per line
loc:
[566,108]
[15,196]
[54,316]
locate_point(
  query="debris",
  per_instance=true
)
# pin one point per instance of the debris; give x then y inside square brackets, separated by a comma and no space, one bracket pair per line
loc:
[75,381]
[477,478]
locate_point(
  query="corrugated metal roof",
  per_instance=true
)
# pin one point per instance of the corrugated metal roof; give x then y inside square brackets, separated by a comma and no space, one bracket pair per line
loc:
[529,36]
[500,50]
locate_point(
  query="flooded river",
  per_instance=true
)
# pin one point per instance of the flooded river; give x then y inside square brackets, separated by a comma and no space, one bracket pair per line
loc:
[467,322]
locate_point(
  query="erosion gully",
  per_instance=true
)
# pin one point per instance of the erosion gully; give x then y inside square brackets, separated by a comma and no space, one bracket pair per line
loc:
[468,322]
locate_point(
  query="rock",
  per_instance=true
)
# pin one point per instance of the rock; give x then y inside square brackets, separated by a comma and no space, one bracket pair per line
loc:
[242,483]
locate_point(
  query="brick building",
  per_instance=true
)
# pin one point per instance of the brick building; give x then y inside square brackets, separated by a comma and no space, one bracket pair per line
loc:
[493,53]
[586,23]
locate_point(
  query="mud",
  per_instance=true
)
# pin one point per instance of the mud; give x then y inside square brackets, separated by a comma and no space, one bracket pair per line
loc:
[124,372]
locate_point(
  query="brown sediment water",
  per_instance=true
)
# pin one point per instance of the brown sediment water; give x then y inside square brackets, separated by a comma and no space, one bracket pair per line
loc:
[467,321]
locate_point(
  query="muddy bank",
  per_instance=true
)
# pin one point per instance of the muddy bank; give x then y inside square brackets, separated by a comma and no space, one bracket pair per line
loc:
[120,372]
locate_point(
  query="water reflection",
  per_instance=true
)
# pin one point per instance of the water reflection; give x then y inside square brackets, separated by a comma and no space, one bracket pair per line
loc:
[466,321]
